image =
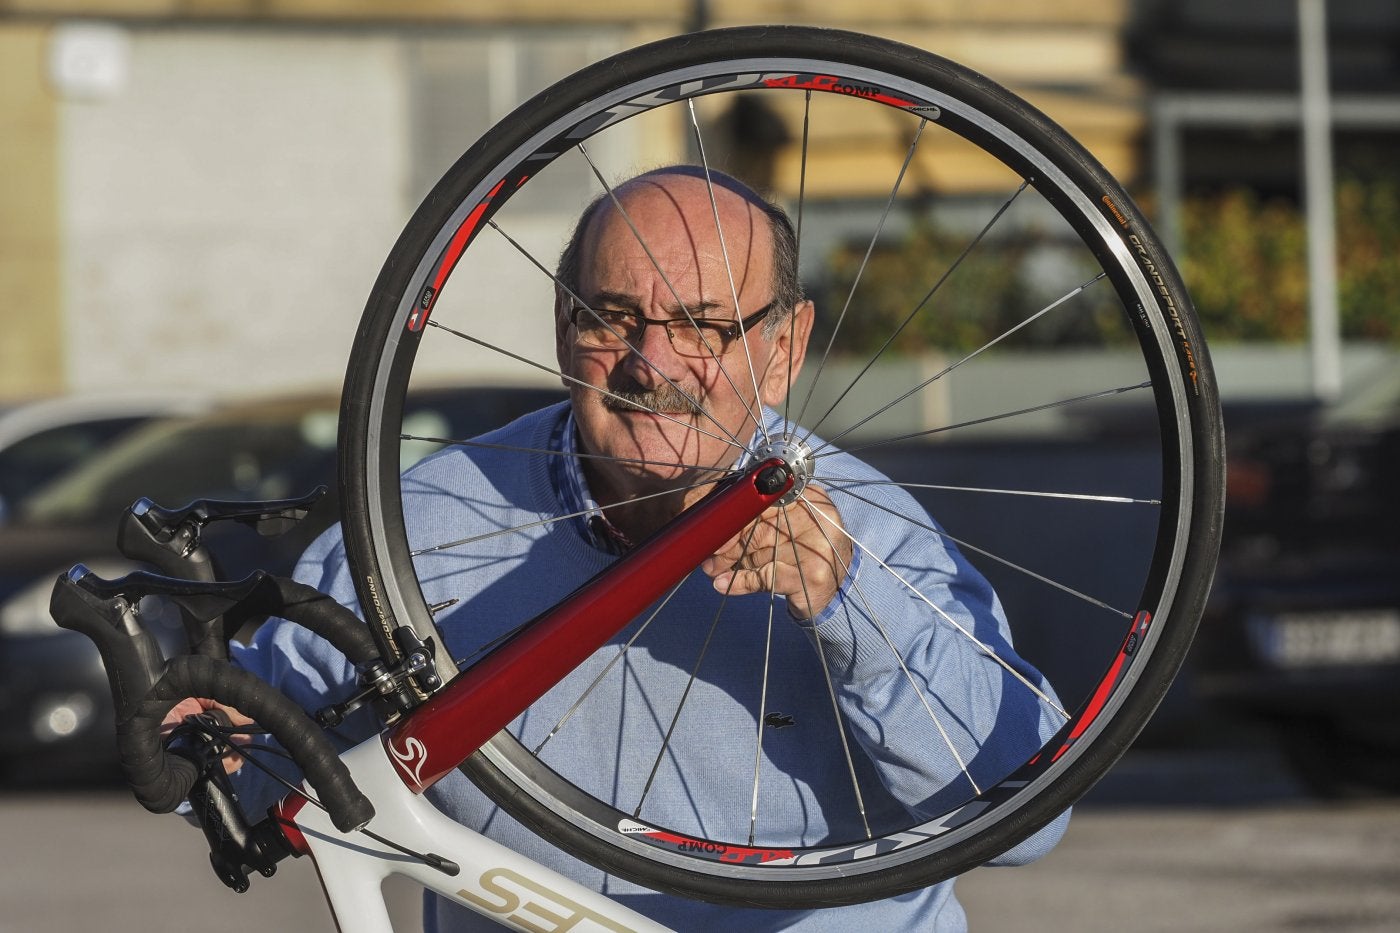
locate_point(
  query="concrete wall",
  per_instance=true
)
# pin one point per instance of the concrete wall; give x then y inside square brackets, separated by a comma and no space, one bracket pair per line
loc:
[227,208]
[31,305]
[207,206]
[198,193]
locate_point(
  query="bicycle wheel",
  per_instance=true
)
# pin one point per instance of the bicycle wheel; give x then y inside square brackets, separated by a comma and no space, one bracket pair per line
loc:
[1020,358]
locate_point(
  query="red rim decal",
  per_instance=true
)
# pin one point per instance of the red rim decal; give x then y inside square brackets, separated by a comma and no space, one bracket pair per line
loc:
[428,297]
[834,85]
[715,851]
[1110,680]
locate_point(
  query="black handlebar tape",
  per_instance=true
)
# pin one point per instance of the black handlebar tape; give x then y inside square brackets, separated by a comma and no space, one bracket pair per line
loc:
[132,658]
[263,594]
[206,602]
[145,687]
[161,780]
[314,610]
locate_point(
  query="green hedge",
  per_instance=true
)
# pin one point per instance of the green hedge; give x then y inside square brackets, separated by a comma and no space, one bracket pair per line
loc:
[992,289]
[1244,262]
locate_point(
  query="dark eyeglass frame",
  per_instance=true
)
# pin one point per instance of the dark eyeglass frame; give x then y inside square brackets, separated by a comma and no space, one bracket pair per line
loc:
[726,331]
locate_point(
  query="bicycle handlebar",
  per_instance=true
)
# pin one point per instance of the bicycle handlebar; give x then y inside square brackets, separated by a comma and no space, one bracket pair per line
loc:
[171,541]
[145,687]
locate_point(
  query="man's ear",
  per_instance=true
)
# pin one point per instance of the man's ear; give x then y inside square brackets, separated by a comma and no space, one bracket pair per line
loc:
[787,353]
[562,303]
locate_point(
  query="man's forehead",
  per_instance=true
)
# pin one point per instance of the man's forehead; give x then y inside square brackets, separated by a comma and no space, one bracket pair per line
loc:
[695,178]
[671,219]
[679,200]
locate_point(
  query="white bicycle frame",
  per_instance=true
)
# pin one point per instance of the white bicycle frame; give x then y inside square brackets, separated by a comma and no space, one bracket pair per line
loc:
[493,881]
[456,721]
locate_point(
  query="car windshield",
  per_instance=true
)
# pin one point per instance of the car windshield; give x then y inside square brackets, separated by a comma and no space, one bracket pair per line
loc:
[269,450]
[35,460]
[264,454]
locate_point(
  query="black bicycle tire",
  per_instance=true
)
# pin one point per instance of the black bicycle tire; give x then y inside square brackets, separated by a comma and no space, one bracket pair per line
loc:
[369,494]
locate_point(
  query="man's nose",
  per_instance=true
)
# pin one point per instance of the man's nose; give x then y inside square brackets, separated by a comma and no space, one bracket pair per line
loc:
[652,354]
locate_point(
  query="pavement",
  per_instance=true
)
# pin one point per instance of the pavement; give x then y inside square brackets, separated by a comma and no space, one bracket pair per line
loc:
[1210,839]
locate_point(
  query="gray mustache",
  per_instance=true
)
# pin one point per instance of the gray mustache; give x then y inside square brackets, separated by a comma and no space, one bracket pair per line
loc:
[664,399]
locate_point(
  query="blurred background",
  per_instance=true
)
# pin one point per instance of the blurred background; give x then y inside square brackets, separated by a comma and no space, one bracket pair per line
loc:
[196,196]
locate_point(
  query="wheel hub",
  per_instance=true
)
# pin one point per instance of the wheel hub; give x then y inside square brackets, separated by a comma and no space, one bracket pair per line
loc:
[795,455]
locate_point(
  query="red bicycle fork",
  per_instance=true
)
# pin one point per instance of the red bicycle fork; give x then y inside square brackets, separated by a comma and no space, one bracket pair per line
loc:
[481,701]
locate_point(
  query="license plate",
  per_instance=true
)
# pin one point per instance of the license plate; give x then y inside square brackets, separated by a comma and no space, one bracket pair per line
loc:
[1328,638]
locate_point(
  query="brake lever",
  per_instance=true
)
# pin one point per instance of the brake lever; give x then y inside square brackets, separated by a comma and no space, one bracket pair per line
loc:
[145,686]
[207,602]
[268,517]
[130,654]
[171,541]
[106,612]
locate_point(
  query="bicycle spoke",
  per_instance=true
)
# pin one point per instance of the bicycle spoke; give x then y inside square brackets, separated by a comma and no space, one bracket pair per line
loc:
[802,171]
[1093,601]
[943,614]
[763,697]
[894,650]
[666,280]
[602,675]
[690,683]
[947,273]
[830,481]
[1089,397]
[728,271]
[733,442]
[975,353]
[551,520]
[838,716]
[797,241]
[545,452]
[875,238]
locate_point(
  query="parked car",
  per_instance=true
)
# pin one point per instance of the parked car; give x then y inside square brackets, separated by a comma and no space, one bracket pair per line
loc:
[41,439]
[55,709]
[1303,630]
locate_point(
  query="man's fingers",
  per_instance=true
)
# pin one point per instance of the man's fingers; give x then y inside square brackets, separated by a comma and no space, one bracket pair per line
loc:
[786,552]
[193,706]
[742,582]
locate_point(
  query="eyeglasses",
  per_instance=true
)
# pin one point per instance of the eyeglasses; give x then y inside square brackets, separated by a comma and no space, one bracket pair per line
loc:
[606,329]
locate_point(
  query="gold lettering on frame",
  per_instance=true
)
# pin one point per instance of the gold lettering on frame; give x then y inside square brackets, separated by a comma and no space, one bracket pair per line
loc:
[534,907]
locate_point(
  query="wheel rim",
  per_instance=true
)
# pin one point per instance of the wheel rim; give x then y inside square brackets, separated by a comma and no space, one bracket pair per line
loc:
[1087,713]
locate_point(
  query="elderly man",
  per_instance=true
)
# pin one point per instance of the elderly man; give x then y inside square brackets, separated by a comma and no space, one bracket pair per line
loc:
[678,337]
[682,390]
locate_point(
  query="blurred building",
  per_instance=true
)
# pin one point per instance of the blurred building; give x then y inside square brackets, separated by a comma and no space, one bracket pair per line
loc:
[200,192]
[1229,152]
[1224,80]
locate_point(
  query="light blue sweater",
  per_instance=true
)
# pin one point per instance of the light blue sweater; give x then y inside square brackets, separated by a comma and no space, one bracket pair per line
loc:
[706,776]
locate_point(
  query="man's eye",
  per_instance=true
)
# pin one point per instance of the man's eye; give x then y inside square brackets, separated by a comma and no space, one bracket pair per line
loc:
[613,317]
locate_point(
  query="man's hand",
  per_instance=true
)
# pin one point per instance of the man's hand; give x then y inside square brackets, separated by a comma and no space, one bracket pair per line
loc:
[193,706]
[790,551]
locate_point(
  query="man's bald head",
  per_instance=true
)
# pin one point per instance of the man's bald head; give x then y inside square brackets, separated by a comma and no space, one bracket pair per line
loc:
[787,289]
